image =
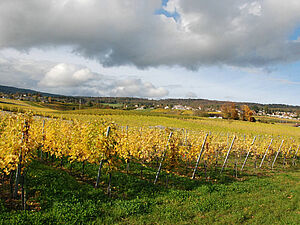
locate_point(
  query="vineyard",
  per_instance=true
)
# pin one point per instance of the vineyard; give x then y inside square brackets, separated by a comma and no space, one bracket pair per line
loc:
[84,142]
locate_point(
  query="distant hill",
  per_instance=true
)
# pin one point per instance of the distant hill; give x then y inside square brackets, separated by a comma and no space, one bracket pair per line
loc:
[14,90]
[148,102]
[195,103]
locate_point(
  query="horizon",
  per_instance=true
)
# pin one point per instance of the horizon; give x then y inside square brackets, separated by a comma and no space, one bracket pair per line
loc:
[153,99]
[245,51]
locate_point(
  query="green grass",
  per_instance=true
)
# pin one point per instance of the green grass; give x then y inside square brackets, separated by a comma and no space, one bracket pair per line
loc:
[34,104]
[116,105]
[67,198]
[22,106]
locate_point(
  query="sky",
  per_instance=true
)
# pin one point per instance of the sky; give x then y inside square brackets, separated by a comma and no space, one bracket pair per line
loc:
[235,50]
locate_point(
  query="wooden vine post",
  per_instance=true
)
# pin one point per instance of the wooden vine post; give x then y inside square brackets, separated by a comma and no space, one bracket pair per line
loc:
[295,156]
[43,136]
[19,168]
[129,156]
[23,193]
[162,159]
[228,152]
[199,156]
[248,153]
[109,185]
[101,163]
[217,157]
[83,166]
[11,183]
[285,155]
[20,177]
[265,154]
[277,154]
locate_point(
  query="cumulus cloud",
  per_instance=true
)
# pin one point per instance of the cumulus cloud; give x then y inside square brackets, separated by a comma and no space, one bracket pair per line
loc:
[69,79]
[129,32]
[21,72]
[136,87]
[66,75]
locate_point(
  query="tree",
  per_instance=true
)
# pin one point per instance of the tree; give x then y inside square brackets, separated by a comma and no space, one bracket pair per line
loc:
[90,104]
[229,111]
[247,114]
[225,111]
[255,108]
[266,109]
[233,112]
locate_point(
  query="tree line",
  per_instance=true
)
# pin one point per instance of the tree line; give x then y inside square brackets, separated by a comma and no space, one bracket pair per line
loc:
[230,111]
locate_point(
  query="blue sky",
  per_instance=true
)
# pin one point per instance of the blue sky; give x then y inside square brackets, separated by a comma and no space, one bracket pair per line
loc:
[295,34]
[246,51]
[162,11]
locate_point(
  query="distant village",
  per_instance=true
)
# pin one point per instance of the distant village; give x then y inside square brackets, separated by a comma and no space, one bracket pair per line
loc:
[213,111]
[279,114]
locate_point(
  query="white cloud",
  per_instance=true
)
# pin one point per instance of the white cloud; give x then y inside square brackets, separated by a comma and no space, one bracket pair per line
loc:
[136,87]
[66,75]
[22,72]
[127,32]
[253,8]
[69,79]
[171,6]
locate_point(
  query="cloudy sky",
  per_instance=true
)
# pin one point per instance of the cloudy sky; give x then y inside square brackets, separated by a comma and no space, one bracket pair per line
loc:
[239,50]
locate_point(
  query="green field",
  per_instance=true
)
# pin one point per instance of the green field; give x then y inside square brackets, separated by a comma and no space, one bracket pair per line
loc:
[64,196]
[117,105]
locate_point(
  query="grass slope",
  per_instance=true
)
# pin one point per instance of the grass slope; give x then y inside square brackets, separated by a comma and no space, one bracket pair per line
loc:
[65,197]
[22,106]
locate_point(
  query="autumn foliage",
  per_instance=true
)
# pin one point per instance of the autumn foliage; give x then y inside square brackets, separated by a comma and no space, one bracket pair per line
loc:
[247,114]
[230,111]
